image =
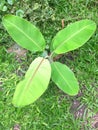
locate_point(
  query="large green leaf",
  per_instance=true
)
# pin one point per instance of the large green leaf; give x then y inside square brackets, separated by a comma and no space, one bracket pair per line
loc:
[35,83]
[73,36]
[64,78]
[24,33]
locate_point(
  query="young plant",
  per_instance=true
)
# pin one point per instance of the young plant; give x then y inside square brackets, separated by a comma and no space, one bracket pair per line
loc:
[37,77]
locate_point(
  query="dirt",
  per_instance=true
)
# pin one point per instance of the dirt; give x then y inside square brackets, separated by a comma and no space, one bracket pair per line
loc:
[19,52]
[77,109]
[94,121]
[81,111]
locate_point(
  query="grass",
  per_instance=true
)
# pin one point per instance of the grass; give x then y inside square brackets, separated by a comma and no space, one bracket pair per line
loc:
[52,110]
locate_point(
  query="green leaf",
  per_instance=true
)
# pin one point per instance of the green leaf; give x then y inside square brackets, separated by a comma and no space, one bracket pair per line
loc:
[24,33]
[64,78]
[35,83]
[20,13]
[73,36]
[11,2]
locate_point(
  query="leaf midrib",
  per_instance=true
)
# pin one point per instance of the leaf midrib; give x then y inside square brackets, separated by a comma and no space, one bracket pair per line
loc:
[63,77]
[24,34]
[35,71]
[72,36]
[30,80]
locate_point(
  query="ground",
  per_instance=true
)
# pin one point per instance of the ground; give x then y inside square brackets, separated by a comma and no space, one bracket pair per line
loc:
[54,110]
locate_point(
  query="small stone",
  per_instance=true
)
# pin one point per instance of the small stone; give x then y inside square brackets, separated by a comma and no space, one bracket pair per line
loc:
[17,127]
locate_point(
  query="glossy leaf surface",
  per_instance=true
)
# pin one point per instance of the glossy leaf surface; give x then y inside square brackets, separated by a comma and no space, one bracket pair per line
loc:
[73,36]
[24,33]
[64,78]
[34,84]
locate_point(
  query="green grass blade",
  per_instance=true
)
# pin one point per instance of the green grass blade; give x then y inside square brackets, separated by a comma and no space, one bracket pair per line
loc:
[24,33]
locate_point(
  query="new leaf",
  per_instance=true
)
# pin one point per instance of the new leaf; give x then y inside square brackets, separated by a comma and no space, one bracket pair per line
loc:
[24,33]
[35,83]
[73,36]
[64,78]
